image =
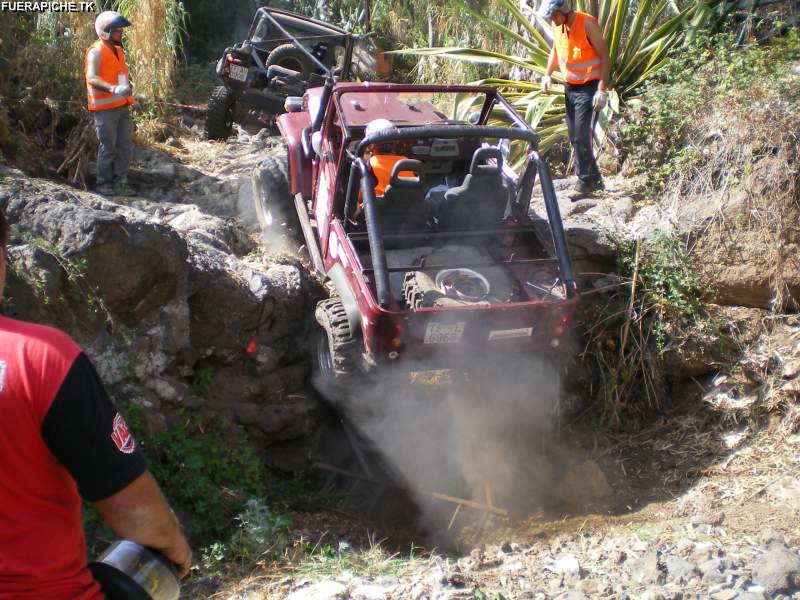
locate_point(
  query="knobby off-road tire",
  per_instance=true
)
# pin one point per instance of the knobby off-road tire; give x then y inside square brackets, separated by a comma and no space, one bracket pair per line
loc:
[291,57]
[273,200]
[219,115]
[335,350]
[419,290]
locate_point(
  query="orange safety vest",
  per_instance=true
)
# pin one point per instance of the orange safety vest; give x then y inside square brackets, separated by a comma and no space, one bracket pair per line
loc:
[577,58]
[112,65]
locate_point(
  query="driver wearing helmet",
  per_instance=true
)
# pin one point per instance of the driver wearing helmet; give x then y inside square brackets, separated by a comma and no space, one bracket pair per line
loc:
[580,52]
[108,94]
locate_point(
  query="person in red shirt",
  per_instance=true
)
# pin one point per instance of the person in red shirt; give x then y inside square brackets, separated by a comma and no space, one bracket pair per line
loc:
[62,439]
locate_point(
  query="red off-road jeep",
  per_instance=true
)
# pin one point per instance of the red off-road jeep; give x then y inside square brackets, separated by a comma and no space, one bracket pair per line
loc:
[422,229]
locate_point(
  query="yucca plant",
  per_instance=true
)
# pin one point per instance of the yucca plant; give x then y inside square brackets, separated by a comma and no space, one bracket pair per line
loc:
[639,34]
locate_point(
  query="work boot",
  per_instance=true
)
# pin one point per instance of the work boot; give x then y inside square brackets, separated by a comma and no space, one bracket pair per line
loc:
[122,188]
[583,188]
[105,189]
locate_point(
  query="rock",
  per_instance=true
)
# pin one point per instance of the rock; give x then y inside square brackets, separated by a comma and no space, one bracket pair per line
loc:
[647,570]
[679,570]
[572,595]
[725,595]
[778,569]
[583,484]
[741,268]
[169,389]
[714,519]
[232,303]
[246,413]
[567,565]
[713,571]
[652,594]
[221,234]
[324,590]
[375,591]
[134,266]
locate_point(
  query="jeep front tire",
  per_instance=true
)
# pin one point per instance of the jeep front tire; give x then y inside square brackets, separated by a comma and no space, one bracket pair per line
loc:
[335,351]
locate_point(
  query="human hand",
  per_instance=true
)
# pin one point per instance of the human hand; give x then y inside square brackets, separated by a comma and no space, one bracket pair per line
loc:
[545,82]
[600,99]
[179,555]
[123,90]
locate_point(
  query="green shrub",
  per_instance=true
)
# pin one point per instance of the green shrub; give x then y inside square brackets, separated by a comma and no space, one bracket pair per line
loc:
[628,330]
[666,128]
[206,480]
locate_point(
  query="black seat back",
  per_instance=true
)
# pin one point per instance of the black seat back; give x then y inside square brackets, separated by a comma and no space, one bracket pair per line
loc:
[482,199]
[403,207]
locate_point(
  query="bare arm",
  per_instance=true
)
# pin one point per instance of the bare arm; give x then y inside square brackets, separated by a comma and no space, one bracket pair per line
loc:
[552,61]
[140,513]
[597,41]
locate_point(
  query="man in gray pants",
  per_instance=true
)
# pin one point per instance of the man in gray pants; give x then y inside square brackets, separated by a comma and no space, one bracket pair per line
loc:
[108,92]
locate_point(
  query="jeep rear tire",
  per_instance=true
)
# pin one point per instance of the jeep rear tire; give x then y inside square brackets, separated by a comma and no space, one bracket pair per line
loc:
[291,57]
[272,196]
[335,352]
[219,115]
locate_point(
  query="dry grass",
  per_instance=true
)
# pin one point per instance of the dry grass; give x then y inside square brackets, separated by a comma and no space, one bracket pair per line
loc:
[154,44]
[753,153]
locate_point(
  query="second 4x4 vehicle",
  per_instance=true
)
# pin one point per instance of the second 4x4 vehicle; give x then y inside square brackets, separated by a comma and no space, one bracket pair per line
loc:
[258,73]
[421,225]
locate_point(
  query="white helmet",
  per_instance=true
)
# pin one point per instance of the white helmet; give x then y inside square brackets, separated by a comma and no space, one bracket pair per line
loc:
[549,7]
[108,20]
[377,125]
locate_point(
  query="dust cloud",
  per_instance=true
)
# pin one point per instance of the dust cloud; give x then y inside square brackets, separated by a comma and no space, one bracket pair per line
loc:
[483,434]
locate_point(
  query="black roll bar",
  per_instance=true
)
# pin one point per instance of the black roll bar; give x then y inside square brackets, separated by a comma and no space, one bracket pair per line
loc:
[556,225]
[382,289]
[447,131]
[316,124]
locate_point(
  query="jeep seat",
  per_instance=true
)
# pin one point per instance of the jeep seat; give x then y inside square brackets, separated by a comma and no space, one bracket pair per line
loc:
[482,199]
[403,206]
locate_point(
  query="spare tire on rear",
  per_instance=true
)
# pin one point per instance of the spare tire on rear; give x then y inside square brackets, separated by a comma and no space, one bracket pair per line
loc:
[291,57]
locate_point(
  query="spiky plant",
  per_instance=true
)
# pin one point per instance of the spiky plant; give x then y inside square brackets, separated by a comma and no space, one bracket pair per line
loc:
[639,34]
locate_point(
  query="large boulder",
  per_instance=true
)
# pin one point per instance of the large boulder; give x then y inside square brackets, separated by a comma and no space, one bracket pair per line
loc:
[132,266]
[236,305]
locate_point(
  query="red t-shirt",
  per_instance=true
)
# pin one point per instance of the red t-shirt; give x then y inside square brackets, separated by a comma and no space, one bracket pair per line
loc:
[59,433]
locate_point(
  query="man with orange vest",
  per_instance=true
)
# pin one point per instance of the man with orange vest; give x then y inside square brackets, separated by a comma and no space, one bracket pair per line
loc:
[108,94]
[580,52]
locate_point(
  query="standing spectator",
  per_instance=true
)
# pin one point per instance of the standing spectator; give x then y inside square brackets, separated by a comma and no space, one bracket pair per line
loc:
[108,93]
[580,52]
[62,439]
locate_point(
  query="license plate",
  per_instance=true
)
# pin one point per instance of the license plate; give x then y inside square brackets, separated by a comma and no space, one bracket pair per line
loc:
[444,333]
[507,334]
[238,72]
